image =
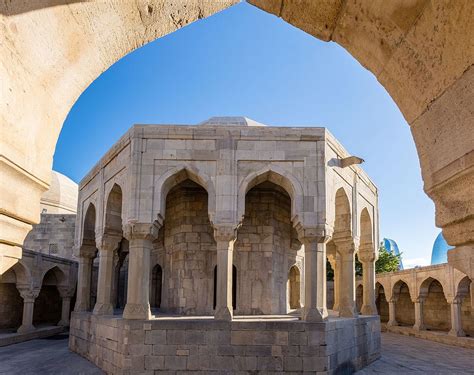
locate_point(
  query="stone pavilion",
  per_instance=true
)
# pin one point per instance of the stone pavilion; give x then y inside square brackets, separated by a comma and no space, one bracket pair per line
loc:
[212,242]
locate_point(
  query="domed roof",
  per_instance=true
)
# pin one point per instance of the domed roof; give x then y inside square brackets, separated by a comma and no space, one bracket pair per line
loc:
[230,121]
[439,254]
[391,246]
[61,198]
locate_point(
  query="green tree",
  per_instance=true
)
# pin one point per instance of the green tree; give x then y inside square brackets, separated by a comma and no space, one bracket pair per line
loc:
[388,261]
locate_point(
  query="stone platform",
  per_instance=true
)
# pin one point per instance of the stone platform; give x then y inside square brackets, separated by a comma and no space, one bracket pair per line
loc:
[264,344]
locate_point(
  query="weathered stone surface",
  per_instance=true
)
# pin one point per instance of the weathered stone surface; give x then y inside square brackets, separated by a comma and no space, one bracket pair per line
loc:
[231,356]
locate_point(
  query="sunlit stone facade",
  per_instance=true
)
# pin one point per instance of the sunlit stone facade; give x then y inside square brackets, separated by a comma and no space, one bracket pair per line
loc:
[227,218]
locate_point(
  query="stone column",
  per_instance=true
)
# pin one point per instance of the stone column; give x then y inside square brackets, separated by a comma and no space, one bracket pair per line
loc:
[29,296]
[367,258]
[333,260]
[107,248]
[225,237]
[456,323]
[392,320]
[140,237]
[346,249]
[315,309]
[66,295]
[86,257]
[419,321]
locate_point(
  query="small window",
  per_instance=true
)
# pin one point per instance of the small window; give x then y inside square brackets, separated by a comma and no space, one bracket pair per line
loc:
[53,248]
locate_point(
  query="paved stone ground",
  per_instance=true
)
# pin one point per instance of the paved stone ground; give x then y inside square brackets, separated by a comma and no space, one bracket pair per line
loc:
[44,356]
[410,355]
[400,355]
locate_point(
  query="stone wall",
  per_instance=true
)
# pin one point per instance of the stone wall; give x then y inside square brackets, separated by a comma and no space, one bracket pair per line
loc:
[54,235]
[11,306]
[190,251]
[467,316]
[263,254]
[119,346]
[405,308]
[437,313]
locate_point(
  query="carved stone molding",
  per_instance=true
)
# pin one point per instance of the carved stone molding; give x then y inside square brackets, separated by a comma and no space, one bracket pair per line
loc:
[142,231]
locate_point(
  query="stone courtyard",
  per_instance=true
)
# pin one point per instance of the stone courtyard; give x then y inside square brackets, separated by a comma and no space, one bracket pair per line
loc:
[400,355]
[205,247]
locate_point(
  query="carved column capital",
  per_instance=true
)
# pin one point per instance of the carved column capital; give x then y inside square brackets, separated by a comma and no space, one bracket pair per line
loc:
[319,233]
[66,291]
[225,232]
[108,242]
[143,231]
[28,294]
[366,256]
[86,251]
[346,245]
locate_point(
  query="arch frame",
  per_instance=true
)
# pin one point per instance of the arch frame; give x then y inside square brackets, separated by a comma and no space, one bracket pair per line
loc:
[174,176]
[280,177]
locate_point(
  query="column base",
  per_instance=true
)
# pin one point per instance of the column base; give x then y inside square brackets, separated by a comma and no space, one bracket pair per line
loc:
[392,323]
[419,327]
[26,328]
[348,312]
[223,314]
[314,315]
[81,307]
[137,311]
[335,307]
[63,323]
[103,309]
[457,333]
[368,310]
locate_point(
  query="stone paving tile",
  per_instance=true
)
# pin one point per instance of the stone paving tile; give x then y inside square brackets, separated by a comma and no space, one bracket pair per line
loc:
[409,355]
[44,356]
[400,355]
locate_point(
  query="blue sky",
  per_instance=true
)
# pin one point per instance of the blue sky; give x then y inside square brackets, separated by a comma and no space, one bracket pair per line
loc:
[245,62]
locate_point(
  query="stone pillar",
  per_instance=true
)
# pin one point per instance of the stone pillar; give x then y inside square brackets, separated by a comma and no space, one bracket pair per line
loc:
[140,237]
[456,324]
[392,320]
[225,237]
[66,295]
[419,321]
[334,261]
[315,309]
[84,278]
[346,249]
[107,248]
[29,296]
[367,259]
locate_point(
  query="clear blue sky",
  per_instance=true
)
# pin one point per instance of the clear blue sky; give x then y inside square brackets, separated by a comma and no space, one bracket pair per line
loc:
[243,61]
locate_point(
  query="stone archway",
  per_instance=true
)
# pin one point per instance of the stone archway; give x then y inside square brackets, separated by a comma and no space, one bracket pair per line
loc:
[381,303]
[429,78]
[404,306]
[436,312]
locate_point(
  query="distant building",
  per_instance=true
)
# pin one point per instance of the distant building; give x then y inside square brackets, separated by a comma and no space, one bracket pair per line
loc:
[391,246]
[439,254]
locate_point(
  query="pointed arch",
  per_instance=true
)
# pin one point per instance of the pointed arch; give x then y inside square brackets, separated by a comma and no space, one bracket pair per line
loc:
[279,177]
[366,230]
[342,214]
[89,225]
[56,273]
[173,177]
[398,286]
[113,211]
[22,274]
[462,288]
[425,285]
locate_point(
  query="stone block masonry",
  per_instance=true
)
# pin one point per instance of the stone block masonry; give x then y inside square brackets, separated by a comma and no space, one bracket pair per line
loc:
[203,345]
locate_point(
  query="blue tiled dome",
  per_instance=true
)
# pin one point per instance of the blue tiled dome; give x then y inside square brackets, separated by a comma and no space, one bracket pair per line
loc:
[439,253]
[392,247]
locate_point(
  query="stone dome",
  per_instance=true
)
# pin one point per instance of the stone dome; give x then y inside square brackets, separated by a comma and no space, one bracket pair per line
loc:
[391,246]
[61,198]
[230,121]
[439,254]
